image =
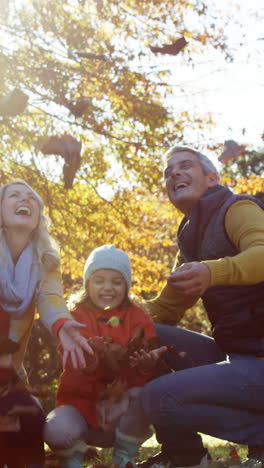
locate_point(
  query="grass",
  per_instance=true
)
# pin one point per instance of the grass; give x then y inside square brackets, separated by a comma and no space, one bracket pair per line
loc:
[220,450]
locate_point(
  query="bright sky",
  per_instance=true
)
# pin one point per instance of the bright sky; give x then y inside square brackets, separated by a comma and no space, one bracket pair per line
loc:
[232,92]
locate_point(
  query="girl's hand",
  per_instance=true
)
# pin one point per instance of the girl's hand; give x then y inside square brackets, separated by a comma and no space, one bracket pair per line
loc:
[146,361]
[73,344]
[99,344]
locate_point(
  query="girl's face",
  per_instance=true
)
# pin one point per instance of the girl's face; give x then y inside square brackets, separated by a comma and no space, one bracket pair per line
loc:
[20,208]
[106,288]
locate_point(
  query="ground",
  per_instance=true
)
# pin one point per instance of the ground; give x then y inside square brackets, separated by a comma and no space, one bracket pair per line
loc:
[227,454]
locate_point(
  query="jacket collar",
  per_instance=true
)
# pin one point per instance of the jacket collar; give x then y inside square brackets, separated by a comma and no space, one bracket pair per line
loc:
[191,229]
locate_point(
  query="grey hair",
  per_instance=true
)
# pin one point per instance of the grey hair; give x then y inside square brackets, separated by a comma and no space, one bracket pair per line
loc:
[205,162]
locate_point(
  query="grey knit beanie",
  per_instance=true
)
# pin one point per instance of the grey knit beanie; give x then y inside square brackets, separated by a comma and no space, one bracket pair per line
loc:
[110,258]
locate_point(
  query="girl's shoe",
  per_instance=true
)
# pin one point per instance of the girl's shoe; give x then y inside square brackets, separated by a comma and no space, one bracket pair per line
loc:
[73,461]
[126,448]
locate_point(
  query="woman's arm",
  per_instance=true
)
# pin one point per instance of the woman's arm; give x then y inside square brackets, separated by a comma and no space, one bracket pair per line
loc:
[52,308]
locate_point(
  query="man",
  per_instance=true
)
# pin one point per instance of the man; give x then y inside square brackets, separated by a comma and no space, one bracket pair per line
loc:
[220,259]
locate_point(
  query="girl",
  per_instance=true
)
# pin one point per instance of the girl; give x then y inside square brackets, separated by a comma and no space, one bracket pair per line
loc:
[29,280]
[100,404]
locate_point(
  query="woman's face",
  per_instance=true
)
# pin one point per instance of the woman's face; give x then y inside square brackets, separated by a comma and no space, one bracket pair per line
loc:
[106,289]
[20,208]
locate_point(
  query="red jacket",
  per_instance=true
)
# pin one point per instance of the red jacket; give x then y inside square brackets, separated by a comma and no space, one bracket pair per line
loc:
[83,391]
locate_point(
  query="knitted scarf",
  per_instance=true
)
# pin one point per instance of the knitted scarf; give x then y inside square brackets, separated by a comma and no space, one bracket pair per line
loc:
[18,281]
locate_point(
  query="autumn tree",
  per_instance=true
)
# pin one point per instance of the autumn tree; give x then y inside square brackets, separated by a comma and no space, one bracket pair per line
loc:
[91,71]
[245,173]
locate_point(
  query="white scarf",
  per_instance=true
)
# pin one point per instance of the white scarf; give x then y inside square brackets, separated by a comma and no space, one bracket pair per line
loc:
[18,281]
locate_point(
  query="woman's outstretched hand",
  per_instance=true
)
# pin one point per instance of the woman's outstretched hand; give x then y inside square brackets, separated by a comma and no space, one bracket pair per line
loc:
[73,344]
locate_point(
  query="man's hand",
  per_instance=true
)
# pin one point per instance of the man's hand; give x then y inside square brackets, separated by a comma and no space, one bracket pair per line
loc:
[146,360]
[73,344]
[191,279]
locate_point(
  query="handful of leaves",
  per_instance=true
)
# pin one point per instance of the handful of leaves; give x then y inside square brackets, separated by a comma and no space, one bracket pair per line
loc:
[114,356]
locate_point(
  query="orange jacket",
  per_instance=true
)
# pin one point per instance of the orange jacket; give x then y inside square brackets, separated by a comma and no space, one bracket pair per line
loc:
[83,390]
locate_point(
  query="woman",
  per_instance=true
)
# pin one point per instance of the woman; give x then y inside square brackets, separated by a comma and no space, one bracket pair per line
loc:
[29,280]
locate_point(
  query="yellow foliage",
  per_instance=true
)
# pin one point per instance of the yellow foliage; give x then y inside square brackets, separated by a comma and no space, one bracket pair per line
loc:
[86,69]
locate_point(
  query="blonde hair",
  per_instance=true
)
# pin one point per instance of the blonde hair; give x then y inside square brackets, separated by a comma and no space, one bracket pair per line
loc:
[44,245]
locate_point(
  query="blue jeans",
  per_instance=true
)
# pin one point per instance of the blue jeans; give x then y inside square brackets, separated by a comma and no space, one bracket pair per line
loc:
[222,396]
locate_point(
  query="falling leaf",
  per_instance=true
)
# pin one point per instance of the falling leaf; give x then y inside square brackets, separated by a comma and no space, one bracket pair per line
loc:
[13,104]
[231,151]
[172,49]
[67,147]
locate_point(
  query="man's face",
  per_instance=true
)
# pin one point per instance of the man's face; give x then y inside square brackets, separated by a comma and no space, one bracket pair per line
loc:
[186,181]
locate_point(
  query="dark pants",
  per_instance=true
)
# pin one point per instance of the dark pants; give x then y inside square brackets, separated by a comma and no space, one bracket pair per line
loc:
[220,395]
[25,447]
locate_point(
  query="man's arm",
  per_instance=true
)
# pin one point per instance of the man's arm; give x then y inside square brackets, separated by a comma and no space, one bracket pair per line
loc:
[169,307]
[244,223]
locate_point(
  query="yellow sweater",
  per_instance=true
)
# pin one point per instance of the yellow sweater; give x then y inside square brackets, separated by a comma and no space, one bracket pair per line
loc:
[244,223]
[50,305]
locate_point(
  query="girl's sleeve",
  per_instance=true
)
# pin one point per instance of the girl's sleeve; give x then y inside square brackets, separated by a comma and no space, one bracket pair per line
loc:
[143,320]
